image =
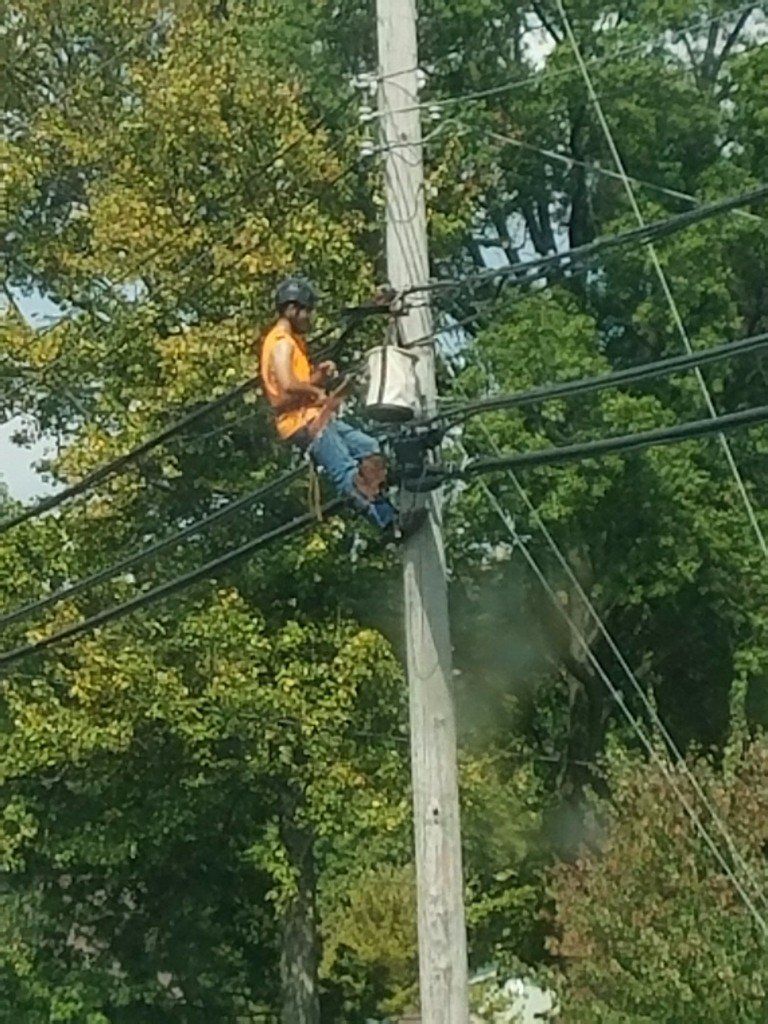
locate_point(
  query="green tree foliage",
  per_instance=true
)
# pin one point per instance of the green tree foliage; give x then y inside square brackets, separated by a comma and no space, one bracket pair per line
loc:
[142,826]
[158,774]
[648,927]
[370,931]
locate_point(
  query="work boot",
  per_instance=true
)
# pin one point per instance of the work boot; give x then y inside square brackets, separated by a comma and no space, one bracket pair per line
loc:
[409,523]
[372,476]
[406,525]
[382,513]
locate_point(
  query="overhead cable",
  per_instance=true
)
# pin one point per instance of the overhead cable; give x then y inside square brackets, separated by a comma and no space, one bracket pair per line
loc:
[620,444]
[651,710]
[173,586]
[545,76]
[586,385]
[618,697]
[121,462]
[531,270]
[660,273]
[646,742]
[353,315]
[518,273]
[606,172]
[144,554]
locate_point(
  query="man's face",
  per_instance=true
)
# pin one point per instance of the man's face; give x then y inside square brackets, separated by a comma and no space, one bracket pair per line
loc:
[300,317]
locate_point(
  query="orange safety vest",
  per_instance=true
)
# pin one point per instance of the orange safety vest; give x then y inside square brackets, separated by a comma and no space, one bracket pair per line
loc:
[291,412]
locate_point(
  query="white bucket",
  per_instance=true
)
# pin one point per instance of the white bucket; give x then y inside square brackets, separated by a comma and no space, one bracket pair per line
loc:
[392,395]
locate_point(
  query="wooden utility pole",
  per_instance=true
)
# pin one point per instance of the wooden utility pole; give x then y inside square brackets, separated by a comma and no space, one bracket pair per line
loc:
[441,925]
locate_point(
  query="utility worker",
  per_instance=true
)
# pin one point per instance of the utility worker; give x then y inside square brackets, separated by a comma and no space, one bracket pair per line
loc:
[306,413]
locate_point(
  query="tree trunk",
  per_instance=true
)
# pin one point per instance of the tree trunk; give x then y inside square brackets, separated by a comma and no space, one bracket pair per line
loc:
[300,952]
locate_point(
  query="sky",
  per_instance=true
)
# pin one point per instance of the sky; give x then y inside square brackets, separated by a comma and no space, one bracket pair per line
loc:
[17,463]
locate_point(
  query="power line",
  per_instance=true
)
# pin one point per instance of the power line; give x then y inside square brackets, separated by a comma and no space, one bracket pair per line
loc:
[541,268]
[588,385]
[224,428]
[637,727]
[690,810]
[145,554]
[507,87]
[173,586]
[535,266]
[560,261]
[639,731]
[558,264]
[644,698]
[619,699]
[573,161]
[531,270]
[121,462]
[660,273]
[488,303]
[613,646]
[596,448]
[116,465]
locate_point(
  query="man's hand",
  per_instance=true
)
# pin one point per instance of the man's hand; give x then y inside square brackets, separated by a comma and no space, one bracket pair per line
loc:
[385,295]
[327,369]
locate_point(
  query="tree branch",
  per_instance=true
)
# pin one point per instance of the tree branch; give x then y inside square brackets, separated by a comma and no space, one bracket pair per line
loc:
[546,23]
[500,222]
[709,53]
[731,41]
[542,209]
[694,65]
[533,228]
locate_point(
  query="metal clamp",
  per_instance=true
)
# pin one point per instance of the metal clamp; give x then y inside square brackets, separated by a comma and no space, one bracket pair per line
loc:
[414,472]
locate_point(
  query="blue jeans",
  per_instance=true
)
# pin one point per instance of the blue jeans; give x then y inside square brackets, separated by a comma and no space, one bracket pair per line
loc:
[338,450]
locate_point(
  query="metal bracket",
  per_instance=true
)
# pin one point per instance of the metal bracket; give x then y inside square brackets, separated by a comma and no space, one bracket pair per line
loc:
[386,302]
[413,470]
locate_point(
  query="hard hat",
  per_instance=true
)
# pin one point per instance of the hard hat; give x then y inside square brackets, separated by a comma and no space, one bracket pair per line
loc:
[295,289]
